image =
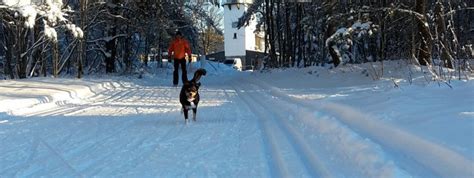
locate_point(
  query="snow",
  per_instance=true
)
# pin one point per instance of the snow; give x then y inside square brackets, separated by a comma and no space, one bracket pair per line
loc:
[26,9]
[16,2]
[310,122]
[50,32]
[76,31]
[364,26]
[54,12]
[28,12]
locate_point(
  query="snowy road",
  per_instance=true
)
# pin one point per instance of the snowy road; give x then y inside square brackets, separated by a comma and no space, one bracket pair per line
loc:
[131,131]
[367,146]
[245,128]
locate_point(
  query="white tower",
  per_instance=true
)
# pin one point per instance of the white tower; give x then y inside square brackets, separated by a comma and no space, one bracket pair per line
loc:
[238,41]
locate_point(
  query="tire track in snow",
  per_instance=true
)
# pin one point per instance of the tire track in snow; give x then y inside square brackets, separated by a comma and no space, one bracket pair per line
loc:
[194,136]
[109,97]
[356,157]
[61,107]
[277,167]
[437,158]
[99,145]
[170,134]
[312,161]
[93,158]
[218,131]
[33,152]
[121,95]
[211,139]
[135,158]
[50,105]
[271,123]
[61,158]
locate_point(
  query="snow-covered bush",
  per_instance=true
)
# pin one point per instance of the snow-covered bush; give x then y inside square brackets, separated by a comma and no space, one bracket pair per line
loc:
[341,42]
[352,44]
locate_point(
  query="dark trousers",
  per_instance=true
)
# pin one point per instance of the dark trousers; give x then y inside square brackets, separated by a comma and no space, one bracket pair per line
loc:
[184,77]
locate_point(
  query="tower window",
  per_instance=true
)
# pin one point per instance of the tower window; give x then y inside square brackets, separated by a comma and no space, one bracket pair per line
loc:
[235,35]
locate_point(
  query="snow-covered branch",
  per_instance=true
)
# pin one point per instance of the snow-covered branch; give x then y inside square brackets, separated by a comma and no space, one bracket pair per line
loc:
[50,11]
[451,12]
[107,38]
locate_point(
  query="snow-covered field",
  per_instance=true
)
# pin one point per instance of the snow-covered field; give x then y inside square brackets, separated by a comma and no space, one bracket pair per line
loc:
[312,122]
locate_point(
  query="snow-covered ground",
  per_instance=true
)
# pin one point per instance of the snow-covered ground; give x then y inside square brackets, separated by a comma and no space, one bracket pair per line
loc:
[312,122]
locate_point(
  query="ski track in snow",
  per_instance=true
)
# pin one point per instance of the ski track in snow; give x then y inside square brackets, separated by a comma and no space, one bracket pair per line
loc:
[358,156]
[279,147]
[427,158]
[244,128]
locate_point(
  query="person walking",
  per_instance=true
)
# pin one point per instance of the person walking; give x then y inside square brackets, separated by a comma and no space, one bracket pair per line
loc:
[178,49]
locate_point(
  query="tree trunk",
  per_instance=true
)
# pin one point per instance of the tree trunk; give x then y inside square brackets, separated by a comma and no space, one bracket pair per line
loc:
[55,47]
[21,48]
[424,51]
[383,36]
[111,52]
[286,42]
[279,33]
[37,57]
[331,29]
[126,55]
[82,44]
[441,36]
[8,51]
[44,72]
[332,52]
[271,32]
[110,45]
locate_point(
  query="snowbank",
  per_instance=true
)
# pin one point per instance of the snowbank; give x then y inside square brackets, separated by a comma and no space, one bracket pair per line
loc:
[18,96]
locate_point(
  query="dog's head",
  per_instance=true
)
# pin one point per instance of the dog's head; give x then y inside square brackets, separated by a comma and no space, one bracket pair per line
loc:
[191,90]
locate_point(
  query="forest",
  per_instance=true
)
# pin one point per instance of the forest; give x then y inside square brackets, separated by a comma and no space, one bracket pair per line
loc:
[85,36]
[77,38]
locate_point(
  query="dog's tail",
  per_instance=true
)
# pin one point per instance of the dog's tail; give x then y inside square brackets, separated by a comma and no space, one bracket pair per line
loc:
[197,75]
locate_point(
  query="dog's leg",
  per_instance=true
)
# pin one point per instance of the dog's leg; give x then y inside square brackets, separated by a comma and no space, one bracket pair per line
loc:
[195,104]
[185,111]
[194,113]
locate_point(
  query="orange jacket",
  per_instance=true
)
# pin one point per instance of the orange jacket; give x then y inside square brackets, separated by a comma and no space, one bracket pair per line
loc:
[179,46]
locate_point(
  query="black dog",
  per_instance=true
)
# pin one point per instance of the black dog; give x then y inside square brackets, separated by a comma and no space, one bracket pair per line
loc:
[189,96]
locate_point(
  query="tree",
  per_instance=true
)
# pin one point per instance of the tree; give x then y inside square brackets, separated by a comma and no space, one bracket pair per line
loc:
[20,39]
[310,29]
[211,35]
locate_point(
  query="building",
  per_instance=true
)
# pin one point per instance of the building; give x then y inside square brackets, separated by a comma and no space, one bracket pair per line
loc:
[244,42]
